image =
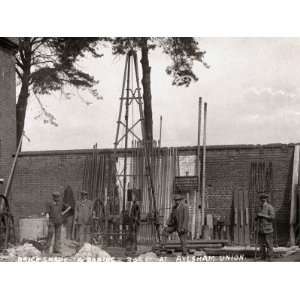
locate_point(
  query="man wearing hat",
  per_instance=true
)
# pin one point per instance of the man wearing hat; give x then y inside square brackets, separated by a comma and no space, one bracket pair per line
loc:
[265,218]
[135,218]
[84,214]
[178,221]
[54,210]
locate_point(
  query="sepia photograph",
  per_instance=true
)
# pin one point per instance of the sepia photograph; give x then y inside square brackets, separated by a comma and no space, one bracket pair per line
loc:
[149,149]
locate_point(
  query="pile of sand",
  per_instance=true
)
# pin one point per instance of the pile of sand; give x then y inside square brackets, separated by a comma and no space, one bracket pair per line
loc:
[26,250]
[91,251]
[68,247]
[148,257]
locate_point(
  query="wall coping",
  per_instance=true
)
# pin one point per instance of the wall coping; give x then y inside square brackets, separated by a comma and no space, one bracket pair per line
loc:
[179,149]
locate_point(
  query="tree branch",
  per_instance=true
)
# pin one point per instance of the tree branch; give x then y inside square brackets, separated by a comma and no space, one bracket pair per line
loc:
[19,63]
[18,73]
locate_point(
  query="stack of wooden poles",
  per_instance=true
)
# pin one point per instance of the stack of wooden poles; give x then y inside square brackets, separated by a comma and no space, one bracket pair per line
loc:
[100,184]
[164,168]
[98,179]
[93,175]
[163,172]
[261,181]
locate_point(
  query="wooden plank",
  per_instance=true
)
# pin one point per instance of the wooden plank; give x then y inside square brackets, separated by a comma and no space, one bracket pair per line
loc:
[247,218]
[194,222]
[198,242]
[241,217]
[295,176]
[194,246]
[235,221]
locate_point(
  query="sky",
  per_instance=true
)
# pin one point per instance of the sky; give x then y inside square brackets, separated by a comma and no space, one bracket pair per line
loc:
[251,89]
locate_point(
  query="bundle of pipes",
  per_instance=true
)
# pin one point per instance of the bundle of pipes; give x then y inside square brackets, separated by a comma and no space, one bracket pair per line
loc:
[164,167]
[261,181]
[96,176]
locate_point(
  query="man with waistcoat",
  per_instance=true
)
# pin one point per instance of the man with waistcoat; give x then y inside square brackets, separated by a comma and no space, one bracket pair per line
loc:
[265,218]
[178,221]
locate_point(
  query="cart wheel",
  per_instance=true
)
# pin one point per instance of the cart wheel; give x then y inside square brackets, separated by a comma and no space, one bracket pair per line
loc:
[6,222]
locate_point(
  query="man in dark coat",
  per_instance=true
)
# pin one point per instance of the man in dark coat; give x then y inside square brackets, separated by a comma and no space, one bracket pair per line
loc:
[54,210]
[69,201]
[178,221]
[265,218]
[135,218]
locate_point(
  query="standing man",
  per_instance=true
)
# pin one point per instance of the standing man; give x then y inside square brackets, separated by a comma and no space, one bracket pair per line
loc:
[265,218]
[84,214]
[54,210]
[135,218]
[178,221]
[69,202]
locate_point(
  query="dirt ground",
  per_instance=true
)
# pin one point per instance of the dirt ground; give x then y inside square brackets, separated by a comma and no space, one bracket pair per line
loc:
[71,252]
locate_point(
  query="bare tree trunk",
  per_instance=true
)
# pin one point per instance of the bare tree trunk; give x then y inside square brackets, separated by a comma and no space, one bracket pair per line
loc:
[25,56]
[21,107]
[146,82]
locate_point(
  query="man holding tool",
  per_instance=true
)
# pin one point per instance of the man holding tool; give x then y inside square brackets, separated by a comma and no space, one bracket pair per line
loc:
[265,218]
[55,211]
[178,221]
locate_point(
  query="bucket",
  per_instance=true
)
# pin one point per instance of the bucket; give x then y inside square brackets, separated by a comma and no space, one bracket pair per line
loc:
[33,228]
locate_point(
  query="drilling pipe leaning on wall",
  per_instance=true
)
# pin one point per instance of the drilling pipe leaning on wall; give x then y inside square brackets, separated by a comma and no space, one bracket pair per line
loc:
[160,127]
[203,206]
[12,170]
[295,179]
[198,161]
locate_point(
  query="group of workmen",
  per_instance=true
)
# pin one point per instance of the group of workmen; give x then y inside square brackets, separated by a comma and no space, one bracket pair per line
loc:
[178,221]
[264,231]
[81,219]
[59,213]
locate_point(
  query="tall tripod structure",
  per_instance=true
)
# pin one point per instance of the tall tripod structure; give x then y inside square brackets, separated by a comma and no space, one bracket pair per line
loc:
[129,96]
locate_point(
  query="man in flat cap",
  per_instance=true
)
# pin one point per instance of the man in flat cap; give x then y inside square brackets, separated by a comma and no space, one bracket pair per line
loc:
[135,218]
[54,210]
[84,215]
[265,218]
[178,221]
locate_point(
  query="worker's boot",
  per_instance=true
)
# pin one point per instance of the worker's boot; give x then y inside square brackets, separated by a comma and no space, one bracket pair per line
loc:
[184,252]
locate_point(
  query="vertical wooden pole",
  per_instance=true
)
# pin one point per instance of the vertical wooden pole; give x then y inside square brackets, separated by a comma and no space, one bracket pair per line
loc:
[295,178]
[204,166]
[121,102]
[12,170]
[198,167]
[126,135]
[160,127]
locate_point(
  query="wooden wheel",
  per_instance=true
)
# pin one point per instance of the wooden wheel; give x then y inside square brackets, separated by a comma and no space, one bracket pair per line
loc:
[6,222]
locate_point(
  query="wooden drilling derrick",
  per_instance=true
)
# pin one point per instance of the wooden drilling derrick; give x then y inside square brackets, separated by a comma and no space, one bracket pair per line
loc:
[132,95]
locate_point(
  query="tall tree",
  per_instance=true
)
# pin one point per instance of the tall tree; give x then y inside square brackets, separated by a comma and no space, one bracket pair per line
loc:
[183,51]
[47,65]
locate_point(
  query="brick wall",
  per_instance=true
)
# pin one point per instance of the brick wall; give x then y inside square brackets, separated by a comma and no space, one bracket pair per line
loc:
[7,107]
[38,174]
[229,169]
